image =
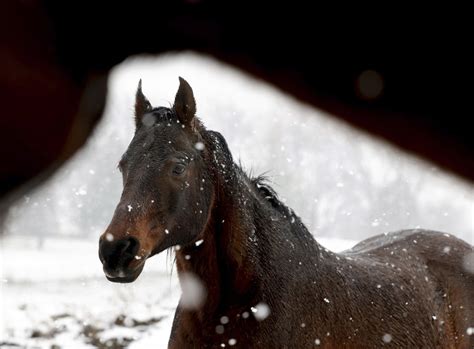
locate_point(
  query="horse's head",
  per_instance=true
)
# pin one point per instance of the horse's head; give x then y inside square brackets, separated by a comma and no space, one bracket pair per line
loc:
[167,189]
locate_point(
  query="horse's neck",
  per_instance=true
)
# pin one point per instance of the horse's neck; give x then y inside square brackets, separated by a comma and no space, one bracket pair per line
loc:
[240,240]
[243,236]
[221,259]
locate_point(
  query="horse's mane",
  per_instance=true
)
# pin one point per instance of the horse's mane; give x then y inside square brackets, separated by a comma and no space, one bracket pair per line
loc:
[259,183]
[263,188]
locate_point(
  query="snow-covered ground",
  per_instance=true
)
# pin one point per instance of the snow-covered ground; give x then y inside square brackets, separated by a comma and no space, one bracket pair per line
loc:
[54,295]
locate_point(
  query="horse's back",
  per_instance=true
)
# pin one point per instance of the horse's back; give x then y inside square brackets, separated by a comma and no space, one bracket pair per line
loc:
[448,259]
[412,238]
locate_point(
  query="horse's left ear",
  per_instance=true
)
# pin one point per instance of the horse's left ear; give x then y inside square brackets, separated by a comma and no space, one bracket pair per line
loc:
[142,105]
[184,103]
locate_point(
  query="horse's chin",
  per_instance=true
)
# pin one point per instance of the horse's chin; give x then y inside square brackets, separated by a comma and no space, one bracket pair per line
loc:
[125,278]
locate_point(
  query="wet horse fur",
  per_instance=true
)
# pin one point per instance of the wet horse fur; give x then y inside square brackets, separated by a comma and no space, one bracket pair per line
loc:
[405,289]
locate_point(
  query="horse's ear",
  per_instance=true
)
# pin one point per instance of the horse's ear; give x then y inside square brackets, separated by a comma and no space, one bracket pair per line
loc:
[142,105]
[184,103]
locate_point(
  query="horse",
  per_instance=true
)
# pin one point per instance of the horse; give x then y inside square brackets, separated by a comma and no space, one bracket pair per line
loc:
[251,273]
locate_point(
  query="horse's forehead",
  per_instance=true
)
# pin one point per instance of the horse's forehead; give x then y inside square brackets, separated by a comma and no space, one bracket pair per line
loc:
[160,137]
[158,116]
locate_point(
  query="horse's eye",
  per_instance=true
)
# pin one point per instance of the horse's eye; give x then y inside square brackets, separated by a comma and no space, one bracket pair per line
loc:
[179,169]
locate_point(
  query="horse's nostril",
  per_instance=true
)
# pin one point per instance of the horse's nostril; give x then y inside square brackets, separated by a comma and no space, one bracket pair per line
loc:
[119,253]
[122,246]
[132,246]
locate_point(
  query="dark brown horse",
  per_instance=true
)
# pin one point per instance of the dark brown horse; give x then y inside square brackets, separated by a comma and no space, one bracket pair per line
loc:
[251,273]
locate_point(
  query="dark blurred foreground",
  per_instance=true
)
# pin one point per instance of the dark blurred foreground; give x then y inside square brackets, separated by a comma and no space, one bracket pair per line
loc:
[394,78]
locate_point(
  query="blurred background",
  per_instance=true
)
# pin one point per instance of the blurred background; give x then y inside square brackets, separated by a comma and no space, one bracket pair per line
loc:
[341,181]
[345,185]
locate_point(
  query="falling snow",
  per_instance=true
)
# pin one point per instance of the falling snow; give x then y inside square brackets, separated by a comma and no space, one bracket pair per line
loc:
[468,262]
[375,223]
[199,146]
[194,291]
[261,311]
[220,329]
[387,338]
[81,191]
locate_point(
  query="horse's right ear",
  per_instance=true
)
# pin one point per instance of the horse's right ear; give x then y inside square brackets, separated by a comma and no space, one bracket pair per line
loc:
[142,105]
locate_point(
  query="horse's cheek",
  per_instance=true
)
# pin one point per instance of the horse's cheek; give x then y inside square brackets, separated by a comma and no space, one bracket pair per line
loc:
[174,201]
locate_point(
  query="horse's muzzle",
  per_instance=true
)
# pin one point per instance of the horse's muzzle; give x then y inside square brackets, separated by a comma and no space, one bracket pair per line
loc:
[119,259]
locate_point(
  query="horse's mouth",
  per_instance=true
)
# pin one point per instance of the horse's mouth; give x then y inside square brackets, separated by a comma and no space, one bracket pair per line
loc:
[124,276]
